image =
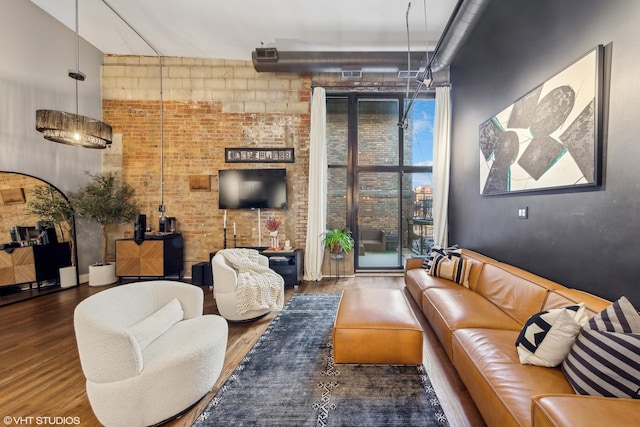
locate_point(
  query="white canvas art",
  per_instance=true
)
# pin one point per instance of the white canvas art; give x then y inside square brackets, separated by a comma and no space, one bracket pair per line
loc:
[549,138]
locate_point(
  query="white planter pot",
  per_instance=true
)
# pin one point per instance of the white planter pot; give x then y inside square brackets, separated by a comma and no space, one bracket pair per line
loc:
[100,275]
[68,277]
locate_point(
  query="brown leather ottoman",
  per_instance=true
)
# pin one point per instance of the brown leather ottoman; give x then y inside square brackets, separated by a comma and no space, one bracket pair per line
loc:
[376,326]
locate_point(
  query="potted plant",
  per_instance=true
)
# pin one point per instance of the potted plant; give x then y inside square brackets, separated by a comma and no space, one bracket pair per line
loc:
[338,241]
[108,201]
[53,210]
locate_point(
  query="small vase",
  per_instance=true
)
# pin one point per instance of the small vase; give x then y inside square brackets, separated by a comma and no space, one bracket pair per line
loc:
[274,239]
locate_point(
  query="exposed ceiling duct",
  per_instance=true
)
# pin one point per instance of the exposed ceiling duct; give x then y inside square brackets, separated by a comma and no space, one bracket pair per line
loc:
[464,17]
[272,60]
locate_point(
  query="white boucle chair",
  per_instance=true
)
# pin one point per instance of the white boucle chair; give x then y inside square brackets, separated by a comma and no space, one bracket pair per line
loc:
[225,284]
[147,351]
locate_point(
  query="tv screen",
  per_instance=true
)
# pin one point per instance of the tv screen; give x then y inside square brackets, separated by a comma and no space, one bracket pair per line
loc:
[252,189]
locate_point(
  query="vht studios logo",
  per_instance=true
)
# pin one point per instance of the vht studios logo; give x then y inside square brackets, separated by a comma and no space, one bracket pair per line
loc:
[42,421]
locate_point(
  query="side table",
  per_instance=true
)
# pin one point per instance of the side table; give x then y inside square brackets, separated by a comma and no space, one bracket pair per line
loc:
[338,259]
[288,264]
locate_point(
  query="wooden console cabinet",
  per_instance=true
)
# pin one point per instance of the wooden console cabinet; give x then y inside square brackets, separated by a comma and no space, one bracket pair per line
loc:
[156,256]
[33,264]
[288,264]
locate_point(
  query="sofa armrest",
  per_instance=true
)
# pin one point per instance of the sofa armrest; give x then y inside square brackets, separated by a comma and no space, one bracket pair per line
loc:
[575,410]
[412,263]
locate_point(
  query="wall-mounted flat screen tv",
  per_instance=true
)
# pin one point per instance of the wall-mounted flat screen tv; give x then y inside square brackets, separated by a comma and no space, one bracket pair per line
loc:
[252,189]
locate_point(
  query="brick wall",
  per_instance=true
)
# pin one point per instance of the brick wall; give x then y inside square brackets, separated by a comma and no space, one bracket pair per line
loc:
[16,213]
[208,105]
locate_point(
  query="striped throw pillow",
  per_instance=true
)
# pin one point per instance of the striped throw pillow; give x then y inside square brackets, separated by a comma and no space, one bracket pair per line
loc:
[605,359]
[455,269]
[450,252]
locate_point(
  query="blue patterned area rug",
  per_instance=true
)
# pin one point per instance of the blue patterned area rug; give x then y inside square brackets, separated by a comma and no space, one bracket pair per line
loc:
[289,379]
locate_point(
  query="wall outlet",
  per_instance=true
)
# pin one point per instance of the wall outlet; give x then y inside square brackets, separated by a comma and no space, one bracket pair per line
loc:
[523,213]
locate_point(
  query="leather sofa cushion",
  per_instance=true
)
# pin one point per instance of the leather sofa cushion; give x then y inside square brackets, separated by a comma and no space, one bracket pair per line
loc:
[568,410]
[519,295]
[449,309]
[487,362]
[417,280]
[478,263]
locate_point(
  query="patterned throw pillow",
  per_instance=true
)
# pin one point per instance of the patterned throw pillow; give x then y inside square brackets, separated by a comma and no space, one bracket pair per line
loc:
[450,252]
[546,338]
[454,268]
[605,359]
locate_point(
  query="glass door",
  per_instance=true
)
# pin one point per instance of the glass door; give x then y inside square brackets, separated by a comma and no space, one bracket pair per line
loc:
[378,184]
[379,176]
[378,229]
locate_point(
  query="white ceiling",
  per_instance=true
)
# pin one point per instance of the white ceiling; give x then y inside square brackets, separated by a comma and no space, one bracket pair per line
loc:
[232,29]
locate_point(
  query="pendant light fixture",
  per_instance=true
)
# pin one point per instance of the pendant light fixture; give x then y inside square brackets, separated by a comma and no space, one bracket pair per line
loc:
[69,128]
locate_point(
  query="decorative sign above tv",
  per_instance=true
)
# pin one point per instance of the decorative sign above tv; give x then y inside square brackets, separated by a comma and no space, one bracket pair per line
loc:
[252,189]
[258,155]
[551,138]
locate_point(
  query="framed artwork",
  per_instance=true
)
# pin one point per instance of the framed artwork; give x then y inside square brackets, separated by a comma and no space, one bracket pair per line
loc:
[551,138]
[258,155]
[199,183]
[12,196]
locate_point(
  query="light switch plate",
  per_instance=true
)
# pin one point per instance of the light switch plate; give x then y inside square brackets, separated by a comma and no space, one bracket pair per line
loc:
[523,213]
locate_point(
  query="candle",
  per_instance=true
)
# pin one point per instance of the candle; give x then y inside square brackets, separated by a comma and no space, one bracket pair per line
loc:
[224,223]
[234,228]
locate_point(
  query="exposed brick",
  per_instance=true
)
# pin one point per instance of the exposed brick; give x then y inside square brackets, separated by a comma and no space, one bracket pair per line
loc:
[198,125]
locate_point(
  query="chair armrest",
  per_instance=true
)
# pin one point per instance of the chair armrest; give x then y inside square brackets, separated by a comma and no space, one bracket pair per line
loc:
[191,297]
[225,278]
[263,260]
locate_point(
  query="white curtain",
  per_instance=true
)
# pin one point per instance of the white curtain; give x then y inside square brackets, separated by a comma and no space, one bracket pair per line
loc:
[317,205]
[441,164]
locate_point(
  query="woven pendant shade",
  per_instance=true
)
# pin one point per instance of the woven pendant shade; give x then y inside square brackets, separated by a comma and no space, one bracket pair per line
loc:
[73,129]
[69,128]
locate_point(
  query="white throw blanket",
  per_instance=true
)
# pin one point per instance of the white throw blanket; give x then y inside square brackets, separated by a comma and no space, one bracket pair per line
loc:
[259,287]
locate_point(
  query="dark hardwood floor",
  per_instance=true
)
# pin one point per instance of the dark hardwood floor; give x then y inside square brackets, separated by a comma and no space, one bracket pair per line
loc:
[40,373]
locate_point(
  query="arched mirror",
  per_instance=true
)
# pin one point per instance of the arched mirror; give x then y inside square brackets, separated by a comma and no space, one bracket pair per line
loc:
[37,239]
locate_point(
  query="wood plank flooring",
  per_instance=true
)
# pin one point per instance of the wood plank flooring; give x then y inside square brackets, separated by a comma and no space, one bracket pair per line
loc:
[40,373]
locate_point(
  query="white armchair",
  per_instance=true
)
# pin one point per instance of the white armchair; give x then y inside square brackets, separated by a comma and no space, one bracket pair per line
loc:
[147,351]
[225,283]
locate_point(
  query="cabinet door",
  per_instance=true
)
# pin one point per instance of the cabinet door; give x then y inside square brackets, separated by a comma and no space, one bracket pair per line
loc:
[152,258]
[127,258]
[6,269]
[24,266]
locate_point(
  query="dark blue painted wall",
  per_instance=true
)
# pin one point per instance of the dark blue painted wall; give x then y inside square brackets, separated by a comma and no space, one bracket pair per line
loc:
[588,240]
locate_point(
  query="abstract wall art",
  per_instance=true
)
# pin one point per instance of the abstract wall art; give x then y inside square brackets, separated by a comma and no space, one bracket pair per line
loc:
[551,137]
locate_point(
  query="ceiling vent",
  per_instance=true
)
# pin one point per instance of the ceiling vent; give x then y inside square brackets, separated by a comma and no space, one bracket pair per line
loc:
[351,73]
[408,74]
[266,54]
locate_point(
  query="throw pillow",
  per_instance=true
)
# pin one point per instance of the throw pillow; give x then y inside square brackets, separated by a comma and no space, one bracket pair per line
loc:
[151,328]
[450,252]
[455,269]
[547,337]
[605,359]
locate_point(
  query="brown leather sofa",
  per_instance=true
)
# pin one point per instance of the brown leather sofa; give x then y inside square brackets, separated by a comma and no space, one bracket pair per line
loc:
[478,327]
